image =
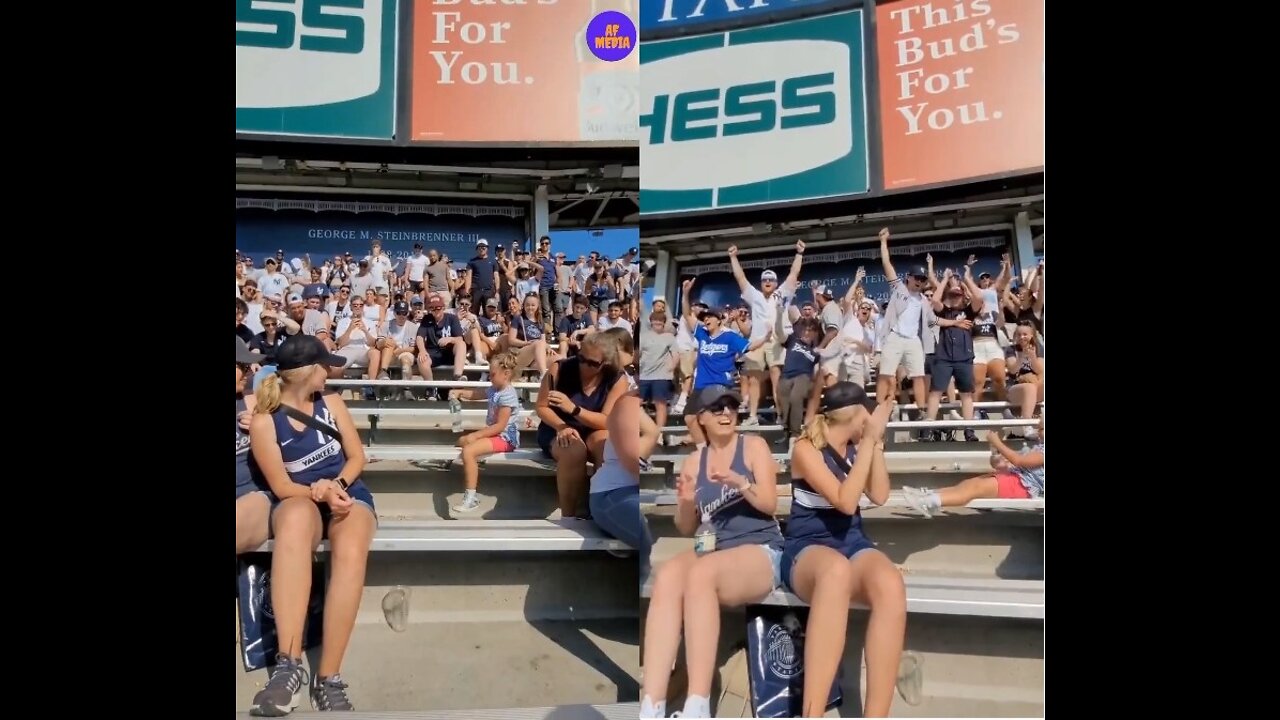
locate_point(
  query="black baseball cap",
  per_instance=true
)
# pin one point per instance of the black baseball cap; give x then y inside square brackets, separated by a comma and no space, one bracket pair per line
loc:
[712,394]
[919,271]
[632,251]
[402,308]
[845,394]
[300,351]
[245,356]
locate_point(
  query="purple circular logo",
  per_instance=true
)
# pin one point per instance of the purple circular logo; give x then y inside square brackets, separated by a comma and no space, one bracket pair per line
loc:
[611,36]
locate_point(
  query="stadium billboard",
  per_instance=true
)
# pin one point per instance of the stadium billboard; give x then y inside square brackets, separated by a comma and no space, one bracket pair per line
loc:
[316,68]
[751,117]
[961,89]
[667,17]
[518,73]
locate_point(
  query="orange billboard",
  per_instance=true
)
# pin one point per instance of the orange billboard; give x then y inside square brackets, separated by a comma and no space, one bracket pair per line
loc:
[961,89]
[519,73]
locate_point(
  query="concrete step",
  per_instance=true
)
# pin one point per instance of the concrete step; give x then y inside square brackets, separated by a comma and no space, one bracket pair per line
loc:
[616,711]
[404,492]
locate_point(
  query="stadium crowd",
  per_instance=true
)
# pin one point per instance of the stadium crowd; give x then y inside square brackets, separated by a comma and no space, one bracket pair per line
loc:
[833,371]
[299,456]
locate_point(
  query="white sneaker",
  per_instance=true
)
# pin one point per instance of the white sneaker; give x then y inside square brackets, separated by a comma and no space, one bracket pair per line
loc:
[468,504]
[917,500]
[750,421]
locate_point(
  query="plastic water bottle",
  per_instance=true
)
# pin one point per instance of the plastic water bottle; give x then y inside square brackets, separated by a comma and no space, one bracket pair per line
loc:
[704,540]
[455,410]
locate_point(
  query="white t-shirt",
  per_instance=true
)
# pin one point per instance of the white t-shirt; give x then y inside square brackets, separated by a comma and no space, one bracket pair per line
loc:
[524,287]
[273,284]
[417,266]
[400,333]
[909,320]
[764,311]
[380,266]
[253,320]
[604,324]
[684,338]
[357,339]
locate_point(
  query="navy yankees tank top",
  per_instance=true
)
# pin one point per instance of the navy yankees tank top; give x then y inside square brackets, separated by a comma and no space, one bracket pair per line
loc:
[814,520]
[737,522]
[309,455]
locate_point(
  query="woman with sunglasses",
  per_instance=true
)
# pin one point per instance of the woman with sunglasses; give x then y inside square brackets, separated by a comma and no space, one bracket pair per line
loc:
[253,500]
[732,484]
[828,560]
[573,406]
[314,468]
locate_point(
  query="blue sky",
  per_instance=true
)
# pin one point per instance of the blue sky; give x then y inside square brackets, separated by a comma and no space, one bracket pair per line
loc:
[612,242]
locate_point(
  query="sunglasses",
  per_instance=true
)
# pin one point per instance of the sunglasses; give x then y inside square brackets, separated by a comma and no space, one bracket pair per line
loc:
[344,289]
[718,407]
[268,323]
[402,314]
[589,362]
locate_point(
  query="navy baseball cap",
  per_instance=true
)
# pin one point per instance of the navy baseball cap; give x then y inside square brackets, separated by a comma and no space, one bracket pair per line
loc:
[712,394]
[845,394]
[299,351]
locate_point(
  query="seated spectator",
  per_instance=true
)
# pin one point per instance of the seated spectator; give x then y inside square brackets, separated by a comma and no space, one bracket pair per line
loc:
[573,404]
[340,307]
[254,303]
[253,500]
[398,346]
[731,485]
[439,341]
[614,319]
[306,447]
[1019,475]
[357,340]
[828,561]
[574,327]
[269,339]
[273,282]
[488,335]
[1026,372]
[243,333]
[525,337]
[501,432]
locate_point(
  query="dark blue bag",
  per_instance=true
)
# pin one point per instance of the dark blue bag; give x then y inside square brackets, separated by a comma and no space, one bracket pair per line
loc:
[775,661]
[259,643]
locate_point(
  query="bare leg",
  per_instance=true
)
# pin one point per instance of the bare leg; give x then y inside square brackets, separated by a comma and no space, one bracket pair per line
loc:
[349,540]
[375,362]
[879,584]
[251,521]
[918,390]
[996,371]
[297,534]
[571,474]
[660,411]
[424,366]
[962,493]
[663,623]
[459,359]
[729,577]
[471,455]
[823,578]
[695,430]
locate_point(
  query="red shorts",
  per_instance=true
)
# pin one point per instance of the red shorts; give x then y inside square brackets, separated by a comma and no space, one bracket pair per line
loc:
[1010,487]
[500,445]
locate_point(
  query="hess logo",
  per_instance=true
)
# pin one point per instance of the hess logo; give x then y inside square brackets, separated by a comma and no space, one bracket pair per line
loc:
[779,108]
[298,53]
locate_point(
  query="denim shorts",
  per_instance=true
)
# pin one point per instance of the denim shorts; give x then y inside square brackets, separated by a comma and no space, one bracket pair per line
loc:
[358,492]
[792,551]
[775,562]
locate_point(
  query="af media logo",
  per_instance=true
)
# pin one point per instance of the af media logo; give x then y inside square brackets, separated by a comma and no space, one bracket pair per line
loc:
[316,67]
[763,115]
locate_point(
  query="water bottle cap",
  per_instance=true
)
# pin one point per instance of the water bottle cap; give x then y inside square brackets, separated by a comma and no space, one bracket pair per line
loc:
[706,517]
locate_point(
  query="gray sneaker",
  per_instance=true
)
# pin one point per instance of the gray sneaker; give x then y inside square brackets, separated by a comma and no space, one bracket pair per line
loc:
[468,504]
[283,691]
[330,694]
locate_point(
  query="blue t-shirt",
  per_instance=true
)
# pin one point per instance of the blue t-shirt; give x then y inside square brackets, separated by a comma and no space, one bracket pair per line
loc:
[800,360]
[716,357]
[505,397]
[490,328]
[526,329]
[482,270]
[548,272]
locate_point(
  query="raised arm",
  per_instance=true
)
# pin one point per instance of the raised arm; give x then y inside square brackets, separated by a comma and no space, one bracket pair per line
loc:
[788,286]
[1038,304]
[846,302]
[743,284]
[889,274]
[969,284]
[1006,273]
[686,304]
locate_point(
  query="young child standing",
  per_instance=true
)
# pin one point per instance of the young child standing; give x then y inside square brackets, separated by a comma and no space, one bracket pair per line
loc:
[501,432]
[1017,476]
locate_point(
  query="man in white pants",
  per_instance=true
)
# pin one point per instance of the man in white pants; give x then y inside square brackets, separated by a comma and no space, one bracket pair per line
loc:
[904,335]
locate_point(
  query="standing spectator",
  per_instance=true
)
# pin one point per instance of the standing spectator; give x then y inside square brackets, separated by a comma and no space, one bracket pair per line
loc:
[525,279]
[316,476]
[657,363]
[564,289]
[380,265]
[905,333]
[954,356]
[718,348]
[988,356]
[363,281]
[600,291]
[767,352]
[796,384]
[415,267]
[547,284]
[253,304]
[482,275]
[832,320]
[687,346]
[437,274]
[439,341]
[317,286]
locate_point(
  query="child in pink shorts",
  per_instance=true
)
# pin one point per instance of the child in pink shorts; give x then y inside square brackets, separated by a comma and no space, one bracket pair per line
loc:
[501,432]
[1017,476]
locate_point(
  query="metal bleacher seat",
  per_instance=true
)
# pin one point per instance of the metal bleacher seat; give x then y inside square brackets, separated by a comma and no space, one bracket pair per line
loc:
[616,711]
[666,499]
[487,535]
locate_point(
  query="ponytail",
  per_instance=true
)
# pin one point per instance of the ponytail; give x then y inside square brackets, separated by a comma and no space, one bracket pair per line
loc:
[815,432]
[268,394]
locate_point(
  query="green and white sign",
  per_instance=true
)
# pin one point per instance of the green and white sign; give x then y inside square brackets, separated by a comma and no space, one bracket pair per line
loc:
[321,68]
[763,115]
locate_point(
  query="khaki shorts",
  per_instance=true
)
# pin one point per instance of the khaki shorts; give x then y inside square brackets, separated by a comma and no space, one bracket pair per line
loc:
[772,354]
[985,350]
[834,366]
[904,352]
[688,361]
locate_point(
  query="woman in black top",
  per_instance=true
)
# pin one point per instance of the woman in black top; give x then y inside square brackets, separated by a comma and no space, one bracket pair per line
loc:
[573,405]
[953,356]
